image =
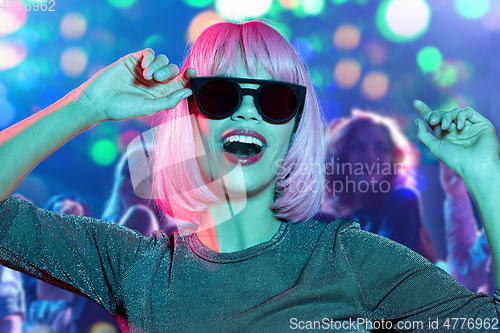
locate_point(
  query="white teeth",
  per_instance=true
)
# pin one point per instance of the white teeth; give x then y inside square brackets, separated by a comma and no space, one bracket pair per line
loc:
[243,139]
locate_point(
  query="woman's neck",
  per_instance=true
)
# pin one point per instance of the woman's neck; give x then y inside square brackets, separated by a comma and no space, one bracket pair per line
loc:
[253,225]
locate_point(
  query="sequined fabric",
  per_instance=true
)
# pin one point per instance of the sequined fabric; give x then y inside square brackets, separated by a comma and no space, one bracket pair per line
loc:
[307,273]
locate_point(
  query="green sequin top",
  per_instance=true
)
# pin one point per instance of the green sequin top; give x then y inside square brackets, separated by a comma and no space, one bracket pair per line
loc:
[309,276]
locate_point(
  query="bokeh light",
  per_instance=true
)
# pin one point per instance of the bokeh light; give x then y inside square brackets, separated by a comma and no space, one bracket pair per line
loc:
[122,3]
[376,53]
[403,20]
[73,61]
[30,36]
[471,9]
[491,20]
[290,4]
[347,37]
[339,2]
[11,21]
[104,152]
[12,53]
[7,113]
[313,7]
[198,3]
[243,9]
[200,22]
[462,70]
[317,77]
[102,327]
[375,85]
[347,73]
[28,75]
[429,59]
[73,26]
[446,75]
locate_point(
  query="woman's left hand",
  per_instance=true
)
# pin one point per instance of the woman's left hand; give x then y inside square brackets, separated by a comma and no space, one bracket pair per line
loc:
[464,140]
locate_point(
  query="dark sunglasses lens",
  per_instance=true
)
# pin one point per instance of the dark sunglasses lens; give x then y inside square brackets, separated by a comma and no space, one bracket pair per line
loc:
[218,97]
[277,101]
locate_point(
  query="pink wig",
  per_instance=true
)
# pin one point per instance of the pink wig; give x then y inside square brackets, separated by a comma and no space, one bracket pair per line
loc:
[217,52]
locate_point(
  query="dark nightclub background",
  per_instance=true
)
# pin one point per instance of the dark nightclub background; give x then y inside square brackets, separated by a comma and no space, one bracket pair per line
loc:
[371,55]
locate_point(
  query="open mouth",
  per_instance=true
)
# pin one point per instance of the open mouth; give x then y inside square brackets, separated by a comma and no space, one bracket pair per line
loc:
[242,145]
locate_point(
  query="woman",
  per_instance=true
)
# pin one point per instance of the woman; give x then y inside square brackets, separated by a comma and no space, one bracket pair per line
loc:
[258,270]
[370,165]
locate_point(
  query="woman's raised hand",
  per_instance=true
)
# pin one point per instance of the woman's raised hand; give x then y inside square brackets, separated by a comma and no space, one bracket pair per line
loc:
[137,85]
[464,140]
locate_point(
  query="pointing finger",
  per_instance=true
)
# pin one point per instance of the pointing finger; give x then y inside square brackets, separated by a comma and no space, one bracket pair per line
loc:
[422,109]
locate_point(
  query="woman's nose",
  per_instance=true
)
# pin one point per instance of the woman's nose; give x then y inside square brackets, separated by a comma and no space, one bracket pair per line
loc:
[247,111]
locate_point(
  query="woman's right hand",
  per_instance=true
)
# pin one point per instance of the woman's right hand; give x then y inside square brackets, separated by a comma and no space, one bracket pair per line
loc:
[137,85]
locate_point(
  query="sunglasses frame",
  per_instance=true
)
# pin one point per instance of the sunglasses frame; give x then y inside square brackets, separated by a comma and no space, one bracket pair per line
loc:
[196,83]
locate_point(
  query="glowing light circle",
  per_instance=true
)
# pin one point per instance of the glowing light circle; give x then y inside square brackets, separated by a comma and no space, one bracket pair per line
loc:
[429,59]
[446,75]
[200,22]
[375,85]
[122,3]
[471,9]
[377,53]
[73,26]
[73,61]
[492,18]
[242,9]
[347,73]
[12,53]
[28,75]
[313,7]
[347,37]
[290,4]
[102,327]
[104,152]
[407,18]
[11,21]
[198,3]
[403,20]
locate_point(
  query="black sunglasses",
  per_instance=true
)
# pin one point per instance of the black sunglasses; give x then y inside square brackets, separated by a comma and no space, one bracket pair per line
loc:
[276,101]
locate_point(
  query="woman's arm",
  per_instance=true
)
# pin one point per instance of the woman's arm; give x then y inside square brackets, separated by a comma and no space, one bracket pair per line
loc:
[466,142]
[136,85]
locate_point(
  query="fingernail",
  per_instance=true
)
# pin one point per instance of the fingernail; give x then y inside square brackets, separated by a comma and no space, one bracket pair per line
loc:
[433,118]
[416,123]
[147,62]
[160,75]
[460,123]
[149,72]
[444,123]
[187,93]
